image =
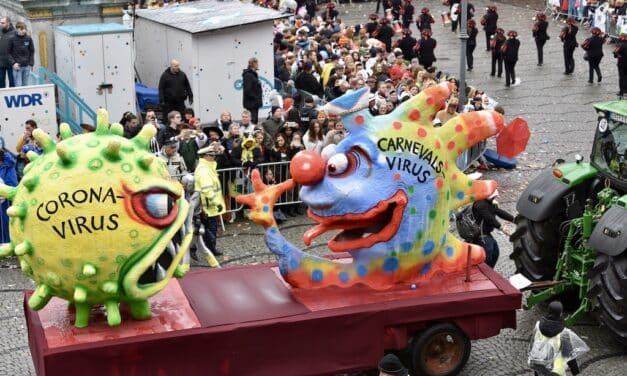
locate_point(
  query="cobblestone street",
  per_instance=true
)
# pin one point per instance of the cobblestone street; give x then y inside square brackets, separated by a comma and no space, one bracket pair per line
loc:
[562,122]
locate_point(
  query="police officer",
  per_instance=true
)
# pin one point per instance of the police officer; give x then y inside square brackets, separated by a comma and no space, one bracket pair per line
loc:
[471,42]
[489,21]
[408,14]
[594,52]
[424,20]
[426,49]
[540,35]
[497,56]
[510,57]
[569,38]
[407,45]
[620,53]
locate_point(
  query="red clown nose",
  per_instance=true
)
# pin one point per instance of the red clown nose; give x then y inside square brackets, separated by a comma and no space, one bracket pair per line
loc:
[307,168]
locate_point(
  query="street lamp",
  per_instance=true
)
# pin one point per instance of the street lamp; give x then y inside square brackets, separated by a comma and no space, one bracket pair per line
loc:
[463,36]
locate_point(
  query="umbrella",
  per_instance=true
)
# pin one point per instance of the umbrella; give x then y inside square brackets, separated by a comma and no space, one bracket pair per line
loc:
[513,139]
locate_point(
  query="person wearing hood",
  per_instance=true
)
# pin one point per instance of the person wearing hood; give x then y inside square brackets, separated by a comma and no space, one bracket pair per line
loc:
[6,34]
[174,88]
[253,96]
[173,160]
[553,347]
[485,213]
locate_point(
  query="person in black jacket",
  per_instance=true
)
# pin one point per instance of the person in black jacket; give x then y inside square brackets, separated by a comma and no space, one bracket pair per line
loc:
[540,35]
[424,20]
[329,14]
[510,57]
[485,213]
[21,55]
[594,50]
[498,39]
[569,38]
[489,21]
[174,88]
[620,53]
[385,33]
[6,34]
[471,42]
[426,49]
[408,14]
[396,9]
[252,95]
[407,45]
[307,82]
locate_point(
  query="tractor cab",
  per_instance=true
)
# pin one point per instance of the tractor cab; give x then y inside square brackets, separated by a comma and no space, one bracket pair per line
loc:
[609,151]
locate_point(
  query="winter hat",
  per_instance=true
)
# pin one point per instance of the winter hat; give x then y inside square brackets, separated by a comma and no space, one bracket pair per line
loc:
[555,311]
[391,365]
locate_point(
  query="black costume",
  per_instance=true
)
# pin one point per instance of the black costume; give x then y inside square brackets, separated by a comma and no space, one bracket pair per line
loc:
[471,44]
[497,56]
[540,36]
[569,37]
[594,50]
[489,21]
[407,45]
[424,21]
[426,51]
[510,57]
[620,53]
[384,34]
[408,14]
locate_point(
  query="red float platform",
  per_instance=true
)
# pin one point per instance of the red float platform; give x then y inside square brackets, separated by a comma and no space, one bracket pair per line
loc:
[247,321]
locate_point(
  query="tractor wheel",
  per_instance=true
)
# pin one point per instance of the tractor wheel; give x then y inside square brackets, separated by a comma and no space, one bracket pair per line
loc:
[536,247]
[441,350]
[608,293]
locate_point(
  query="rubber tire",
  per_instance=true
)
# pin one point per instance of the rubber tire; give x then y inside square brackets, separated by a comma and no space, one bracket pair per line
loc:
[422,340]
[537,247]
[608,294]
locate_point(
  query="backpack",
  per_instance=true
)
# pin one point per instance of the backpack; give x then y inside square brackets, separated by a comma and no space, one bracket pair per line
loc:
[467,226]
[543,352]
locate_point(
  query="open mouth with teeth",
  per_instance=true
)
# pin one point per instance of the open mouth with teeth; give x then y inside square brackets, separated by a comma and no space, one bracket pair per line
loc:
[150,271]
[361,230]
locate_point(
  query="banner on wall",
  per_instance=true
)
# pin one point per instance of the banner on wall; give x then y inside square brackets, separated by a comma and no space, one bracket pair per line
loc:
[18,104]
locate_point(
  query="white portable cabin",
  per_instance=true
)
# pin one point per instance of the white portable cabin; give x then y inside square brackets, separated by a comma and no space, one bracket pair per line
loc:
[96,61]
[213,41]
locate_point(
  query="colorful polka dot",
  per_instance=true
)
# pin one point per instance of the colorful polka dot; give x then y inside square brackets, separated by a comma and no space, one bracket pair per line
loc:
[454,177]
[460,195]
[265,199]
[344,277]
[428,247]
[406,246]
[273,230]
[293,264]
[266,208]
[450,145]
[317,276]
[397,125]
[437,144]
[459,128]
[414,115]
[359,119]
[419,235]
[397,176]
[472,197]
[390,264]
[412,211]
[425,268]
[432,214]
[410,189]
[430,101]
[449,251]
[439,183]
[422,132]
[362,270]
[470,183]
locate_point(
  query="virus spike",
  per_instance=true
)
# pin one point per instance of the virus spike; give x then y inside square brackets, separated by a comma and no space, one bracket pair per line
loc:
[6,249]
[112,150]
[80,294]
[113,313]
[102,122]
[63,151]
[140,310]
[31,182]
[468,129]
[44,140]
[32,156]
[82,314]
[66,131]
[145,135]
[40,297]
[7,192]
[53,279]
[23,248]
[28,167]
[16,211]
[117,129]
[109,287]
[145,161]
[25,266]
[89,270]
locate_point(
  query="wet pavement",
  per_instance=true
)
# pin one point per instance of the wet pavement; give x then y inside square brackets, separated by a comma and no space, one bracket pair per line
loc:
[558,110]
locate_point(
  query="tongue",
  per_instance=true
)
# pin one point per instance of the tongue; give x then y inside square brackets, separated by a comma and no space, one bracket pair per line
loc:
[313,233]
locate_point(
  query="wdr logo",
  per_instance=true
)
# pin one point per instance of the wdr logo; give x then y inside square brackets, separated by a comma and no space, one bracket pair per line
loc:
[23,100]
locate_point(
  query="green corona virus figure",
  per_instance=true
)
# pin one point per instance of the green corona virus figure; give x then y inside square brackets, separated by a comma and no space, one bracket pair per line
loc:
[93,219]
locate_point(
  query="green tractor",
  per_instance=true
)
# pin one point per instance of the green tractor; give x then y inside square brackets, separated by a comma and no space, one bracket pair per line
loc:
[571,235]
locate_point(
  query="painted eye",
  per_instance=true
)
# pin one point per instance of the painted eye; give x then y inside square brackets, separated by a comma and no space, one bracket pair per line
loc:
[341,165]
[328,152]
[156,207]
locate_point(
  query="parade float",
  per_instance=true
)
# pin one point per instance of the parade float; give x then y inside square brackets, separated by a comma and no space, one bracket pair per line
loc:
[397,279]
